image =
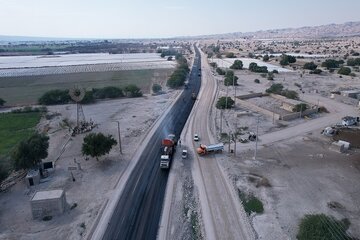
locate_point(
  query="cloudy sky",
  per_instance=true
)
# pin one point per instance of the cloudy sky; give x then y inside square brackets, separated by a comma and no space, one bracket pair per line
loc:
[165,18]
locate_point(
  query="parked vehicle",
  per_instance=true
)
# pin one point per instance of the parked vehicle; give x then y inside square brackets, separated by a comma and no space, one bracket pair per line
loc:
[204,149]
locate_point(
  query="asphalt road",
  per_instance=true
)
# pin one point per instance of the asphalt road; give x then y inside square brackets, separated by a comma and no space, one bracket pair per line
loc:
[138,212]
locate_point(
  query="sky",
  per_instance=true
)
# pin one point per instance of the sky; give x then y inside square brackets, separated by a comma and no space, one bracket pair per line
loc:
[162,19]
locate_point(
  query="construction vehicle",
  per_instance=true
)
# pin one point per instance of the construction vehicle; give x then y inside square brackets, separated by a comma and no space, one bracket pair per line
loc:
[167,151]
[204,149]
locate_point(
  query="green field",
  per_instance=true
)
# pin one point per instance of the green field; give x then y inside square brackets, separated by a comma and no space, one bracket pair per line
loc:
[15,127]
[27,89]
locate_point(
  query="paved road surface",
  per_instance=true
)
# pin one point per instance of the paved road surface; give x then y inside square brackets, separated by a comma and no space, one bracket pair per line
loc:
[137,213]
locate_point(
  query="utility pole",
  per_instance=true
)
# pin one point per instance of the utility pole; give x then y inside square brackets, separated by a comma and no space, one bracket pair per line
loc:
[229,140]
[234,89]
[256,139]
[118,124]
[221,113]
[234,144]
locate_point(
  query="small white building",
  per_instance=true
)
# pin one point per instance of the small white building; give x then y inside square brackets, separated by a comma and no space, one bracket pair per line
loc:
[32,178]
[48,203]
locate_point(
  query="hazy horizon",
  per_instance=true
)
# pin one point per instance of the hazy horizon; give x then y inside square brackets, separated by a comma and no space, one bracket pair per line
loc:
[162,19]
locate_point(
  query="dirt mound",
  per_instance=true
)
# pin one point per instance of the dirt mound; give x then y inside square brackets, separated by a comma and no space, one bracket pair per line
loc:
[349,135]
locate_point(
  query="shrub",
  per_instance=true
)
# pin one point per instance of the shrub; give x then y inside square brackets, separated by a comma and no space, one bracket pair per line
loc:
[344,71]
[310,66]
[2,102]
[316,71]
[251,203]
[266,58]
[107,92]
[275,88]
[353,62]
[53,97]
[132,90]
[331,63]
[222,103]
[88,98]
[156,88]
[213,64]
[230,55]
[275,71]
[220,71]
[289,94]
[257,81]
[320,226]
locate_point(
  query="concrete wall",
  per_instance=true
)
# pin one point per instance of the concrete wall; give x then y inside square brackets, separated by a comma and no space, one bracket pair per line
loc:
[48,207]
[251,95]
[293,116]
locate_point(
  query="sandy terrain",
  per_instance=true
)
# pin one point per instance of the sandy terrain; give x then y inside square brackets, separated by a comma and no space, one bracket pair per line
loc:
[94,182]
[304,176]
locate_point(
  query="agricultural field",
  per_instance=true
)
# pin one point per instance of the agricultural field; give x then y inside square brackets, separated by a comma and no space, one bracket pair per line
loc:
[24,90]
[15,127]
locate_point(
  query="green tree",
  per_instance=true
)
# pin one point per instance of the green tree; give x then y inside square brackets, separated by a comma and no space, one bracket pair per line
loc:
[156,88]
[275,88]
[344,71]
[310,66]
[300,107]
[30,152]
[222,103]
[97,144]
[132,90]
[287,59]
[255,68]
[320,226]
[2,102]
[266,58]
[230,78]
[238,64]
[220,71]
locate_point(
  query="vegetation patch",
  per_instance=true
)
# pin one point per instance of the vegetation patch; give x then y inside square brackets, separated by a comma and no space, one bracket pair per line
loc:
[28,89]
[321,226]
[251,203]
